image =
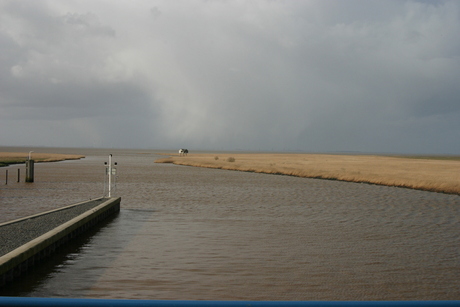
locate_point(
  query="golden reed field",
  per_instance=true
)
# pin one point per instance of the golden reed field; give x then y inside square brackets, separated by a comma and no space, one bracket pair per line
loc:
[431,174]
[20,157]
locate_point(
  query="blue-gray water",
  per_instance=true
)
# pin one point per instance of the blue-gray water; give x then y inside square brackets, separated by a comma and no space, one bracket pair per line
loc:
[194,233]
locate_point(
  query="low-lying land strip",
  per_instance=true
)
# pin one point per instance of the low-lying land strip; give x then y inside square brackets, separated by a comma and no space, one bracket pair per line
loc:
[437,174]
[7,158]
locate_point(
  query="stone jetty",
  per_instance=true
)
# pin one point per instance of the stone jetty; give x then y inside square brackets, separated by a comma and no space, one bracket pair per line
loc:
[27,240]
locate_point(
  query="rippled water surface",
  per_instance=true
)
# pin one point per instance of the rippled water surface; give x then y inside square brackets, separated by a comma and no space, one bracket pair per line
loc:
[195,233]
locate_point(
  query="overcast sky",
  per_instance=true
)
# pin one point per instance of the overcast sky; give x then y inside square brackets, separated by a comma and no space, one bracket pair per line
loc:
[315,76]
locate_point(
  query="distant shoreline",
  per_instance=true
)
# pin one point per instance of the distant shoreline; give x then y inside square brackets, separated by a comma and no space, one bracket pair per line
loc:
[9,158]
[435,174]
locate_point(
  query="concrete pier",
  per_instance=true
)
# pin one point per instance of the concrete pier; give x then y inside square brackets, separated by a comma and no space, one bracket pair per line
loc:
[27,240]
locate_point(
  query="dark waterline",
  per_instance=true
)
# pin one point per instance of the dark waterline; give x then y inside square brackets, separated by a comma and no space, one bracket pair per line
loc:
[192,233]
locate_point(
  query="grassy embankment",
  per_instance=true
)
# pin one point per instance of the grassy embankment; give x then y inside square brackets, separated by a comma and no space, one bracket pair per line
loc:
[8,158]
[437,174]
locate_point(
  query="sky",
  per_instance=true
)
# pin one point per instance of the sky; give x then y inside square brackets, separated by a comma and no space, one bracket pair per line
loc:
[262,75]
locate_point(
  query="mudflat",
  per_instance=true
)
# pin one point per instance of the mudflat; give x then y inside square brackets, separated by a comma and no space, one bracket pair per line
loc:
[437,174]
[20,157]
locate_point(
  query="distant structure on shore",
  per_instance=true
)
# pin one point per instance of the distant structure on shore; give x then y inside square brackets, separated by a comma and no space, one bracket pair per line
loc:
[183,152]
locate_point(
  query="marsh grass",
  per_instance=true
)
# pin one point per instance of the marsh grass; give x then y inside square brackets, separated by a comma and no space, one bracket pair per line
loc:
[8,158]
[438,175]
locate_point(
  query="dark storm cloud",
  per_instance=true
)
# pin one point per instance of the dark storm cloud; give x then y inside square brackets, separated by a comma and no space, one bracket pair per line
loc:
[373,76]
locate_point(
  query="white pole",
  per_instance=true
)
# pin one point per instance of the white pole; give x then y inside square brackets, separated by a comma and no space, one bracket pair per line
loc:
[110,173]
[30,152]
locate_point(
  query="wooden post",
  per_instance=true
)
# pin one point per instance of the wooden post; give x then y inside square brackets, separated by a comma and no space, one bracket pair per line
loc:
[6,181]
[19,175]
[30,171]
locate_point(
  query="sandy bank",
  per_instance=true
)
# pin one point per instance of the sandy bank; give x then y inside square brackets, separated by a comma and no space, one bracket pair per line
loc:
[7,158]
[424,174]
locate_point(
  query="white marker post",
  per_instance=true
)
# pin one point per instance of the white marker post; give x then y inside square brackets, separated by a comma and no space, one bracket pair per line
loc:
[110,171]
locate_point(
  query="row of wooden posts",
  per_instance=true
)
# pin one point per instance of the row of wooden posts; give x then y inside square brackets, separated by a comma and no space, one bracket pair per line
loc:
[29,172]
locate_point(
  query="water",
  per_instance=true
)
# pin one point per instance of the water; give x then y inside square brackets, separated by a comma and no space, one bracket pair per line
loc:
[195,233]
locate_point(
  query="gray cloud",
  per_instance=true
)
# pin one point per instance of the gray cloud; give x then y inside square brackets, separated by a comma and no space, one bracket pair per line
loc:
[371,76]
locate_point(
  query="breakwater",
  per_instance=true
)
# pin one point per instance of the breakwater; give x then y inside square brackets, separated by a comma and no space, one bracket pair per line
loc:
[28,240]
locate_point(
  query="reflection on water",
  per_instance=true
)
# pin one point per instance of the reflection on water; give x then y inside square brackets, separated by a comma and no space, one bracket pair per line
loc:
[193,233]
